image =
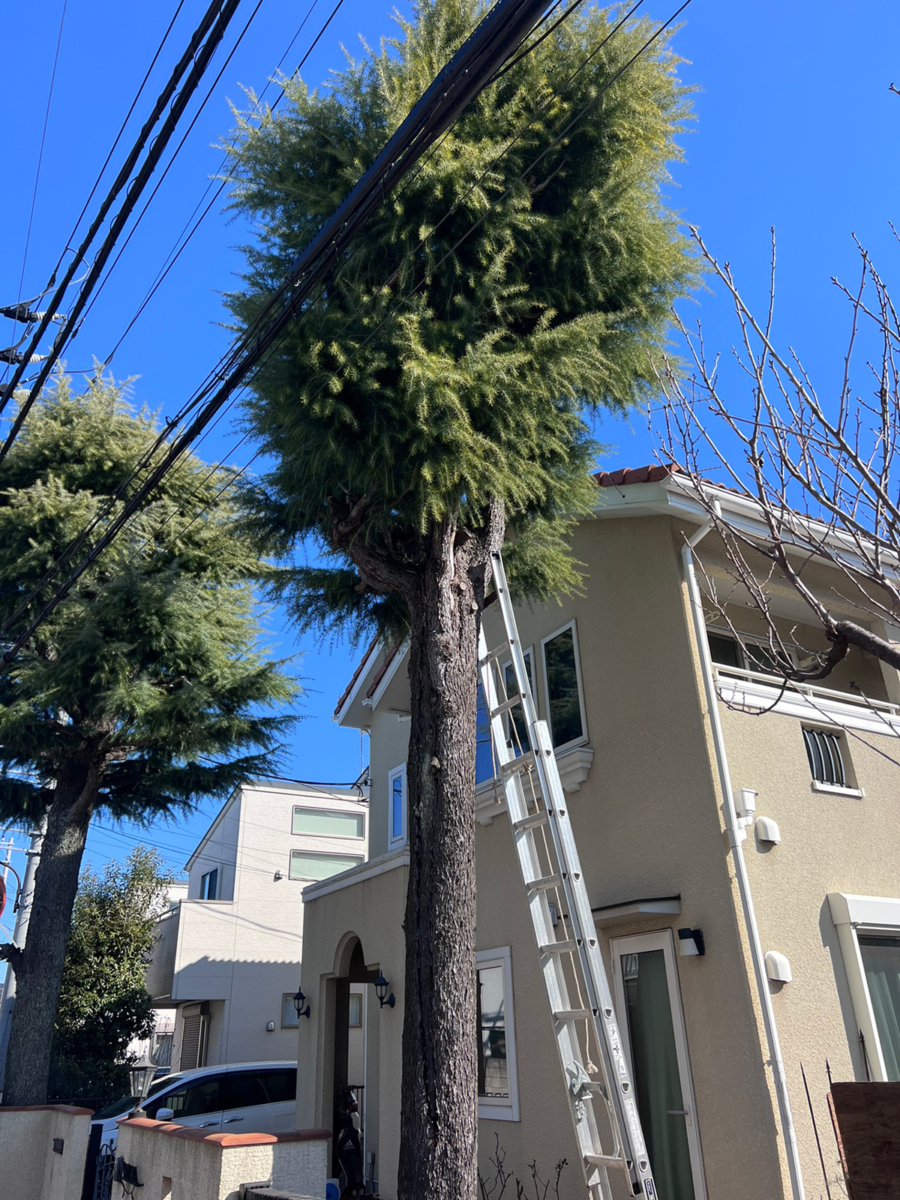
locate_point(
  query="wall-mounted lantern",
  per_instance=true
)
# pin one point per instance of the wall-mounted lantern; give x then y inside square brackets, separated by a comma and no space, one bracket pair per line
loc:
[381,991]
[299,1001]
[690,943]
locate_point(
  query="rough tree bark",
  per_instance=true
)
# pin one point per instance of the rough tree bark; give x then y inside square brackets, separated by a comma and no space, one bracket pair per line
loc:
[39,965]
[445,589]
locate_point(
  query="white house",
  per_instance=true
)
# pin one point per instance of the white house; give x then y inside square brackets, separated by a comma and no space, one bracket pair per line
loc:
[227,959]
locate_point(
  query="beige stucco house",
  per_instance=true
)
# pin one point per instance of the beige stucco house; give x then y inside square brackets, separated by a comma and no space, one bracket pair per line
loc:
[227,959]
[705,799]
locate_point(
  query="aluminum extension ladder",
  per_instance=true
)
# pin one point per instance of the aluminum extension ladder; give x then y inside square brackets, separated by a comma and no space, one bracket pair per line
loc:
[602,1099]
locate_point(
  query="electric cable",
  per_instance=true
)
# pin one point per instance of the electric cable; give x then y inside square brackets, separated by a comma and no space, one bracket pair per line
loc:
[193,62]
[37,174]
[211,409]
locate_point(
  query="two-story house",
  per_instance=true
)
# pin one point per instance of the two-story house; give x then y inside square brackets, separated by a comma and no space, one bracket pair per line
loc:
[740,842]
[227,958]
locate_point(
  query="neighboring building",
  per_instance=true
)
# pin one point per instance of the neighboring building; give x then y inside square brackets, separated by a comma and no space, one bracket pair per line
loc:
[620,675]
[227,960]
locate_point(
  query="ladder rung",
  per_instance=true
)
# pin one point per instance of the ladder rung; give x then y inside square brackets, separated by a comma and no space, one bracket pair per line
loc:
[538,818]
[573,1014]
[545,883]
[505,706]
[522,763]
[565,946]
[497,652]
[605,1160]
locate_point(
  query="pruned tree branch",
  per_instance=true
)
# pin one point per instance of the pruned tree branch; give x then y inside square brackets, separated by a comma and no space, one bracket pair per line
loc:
[820,473]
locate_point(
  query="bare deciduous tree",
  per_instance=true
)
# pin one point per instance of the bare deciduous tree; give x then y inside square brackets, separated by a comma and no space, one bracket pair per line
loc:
[820,473]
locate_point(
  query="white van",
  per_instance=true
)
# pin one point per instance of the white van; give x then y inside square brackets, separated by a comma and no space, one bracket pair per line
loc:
[236,1098]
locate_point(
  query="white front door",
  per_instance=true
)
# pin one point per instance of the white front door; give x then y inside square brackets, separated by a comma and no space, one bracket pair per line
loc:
[652,1027]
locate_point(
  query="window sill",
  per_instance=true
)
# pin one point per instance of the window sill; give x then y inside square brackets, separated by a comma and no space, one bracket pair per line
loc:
[496,1112]
[574,768]
[835,789]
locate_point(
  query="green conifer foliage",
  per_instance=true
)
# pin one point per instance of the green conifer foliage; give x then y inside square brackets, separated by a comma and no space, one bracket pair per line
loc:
[435,399]
[146,689]
[103,1003]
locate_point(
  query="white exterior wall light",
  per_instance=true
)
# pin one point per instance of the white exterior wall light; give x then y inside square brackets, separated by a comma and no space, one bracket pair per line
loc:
[778,968]
[690,943]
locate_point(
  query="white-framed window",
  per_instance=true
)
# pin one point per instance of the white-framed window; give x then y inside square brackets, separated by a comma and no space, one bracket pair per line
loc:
[289,1017]
[313,865]
[332,823]
[563,688]
[749,654]
[397,807]
[516,729]
[209,884]
[869,935]
[498,1081]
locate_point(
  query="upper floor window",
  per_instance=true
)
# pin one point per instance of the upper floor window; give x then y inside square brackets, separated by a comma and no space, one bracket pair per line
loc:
[319,823]
[305,864]
[209,885]
[565,704]
[484,749]
[516,727]
[397,808]
[497,1084]
[748,654]
[823,749]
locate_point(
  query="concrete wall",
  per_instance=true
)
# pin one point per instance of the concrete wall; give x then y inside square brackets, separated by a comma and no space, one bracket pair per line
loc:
[175,1163]
[30,1168]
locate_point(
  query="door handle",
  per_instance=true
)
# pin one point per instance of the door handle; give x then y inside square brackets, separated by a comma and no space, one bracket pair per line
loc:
[206,1124]
[677,1112]
[228,1120]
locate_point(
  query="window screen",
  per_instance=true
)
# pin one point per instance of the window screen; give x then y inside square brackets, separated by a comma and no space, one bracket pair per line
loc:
[823,749]
[562,688]
[328,824]
[493,1067]
[307,865]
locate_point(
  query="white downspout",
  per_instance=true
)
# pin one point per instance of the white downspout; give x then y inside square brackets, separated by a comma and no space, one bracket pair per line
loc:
[736,835]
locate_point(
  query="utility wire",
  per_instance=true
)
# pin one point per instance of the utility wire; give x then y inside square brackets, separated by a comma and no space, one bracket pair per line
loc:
[495,37]
[194,61]
[37,174]
[181,443]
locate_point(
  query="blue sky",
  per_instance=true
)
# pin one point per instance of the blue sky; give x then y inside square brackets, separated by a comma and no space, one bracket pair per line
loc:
[796,128]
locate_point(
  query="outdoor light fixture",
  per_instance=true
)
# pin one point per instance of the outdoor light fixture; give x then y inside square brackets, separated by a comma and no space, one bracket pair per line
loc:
[299,1001]
[141,1075]
[381,991]
[691,943]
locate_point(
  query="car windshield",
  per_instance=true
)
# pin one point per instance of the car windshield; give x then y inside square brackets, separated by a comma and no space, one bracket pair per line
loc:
[120,1107]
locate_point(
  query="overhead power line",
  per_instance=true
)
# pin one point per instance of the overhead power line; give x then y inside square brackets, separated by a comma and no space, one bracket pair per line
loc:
[492,42]
[205,416]
[190,69]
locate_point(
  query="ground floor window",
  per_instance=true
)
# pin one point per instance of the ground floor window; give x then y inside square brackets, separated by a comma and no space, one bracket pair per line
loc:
[869,933]
[498,1090]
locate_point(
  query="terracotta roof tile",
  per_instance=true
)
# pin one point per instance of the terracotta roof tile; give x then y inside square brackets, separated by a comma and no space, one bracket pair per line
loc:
[651,473]
[379,674]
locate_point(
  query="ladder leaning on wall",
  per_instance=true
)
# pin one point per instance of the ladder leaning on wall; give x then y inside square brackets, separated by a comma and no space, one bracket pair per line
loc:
[602,1099]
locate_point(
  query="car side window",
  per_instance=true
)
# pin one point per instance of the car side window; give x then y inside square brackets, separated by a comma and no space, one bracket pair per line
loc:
[191,1101]
[245,1090]
[281,1085]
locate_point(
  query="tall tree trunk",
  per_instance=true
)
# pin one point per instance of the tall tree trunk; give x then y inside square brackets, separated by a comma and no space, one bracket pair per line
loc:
[39,966]
[438,1140]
